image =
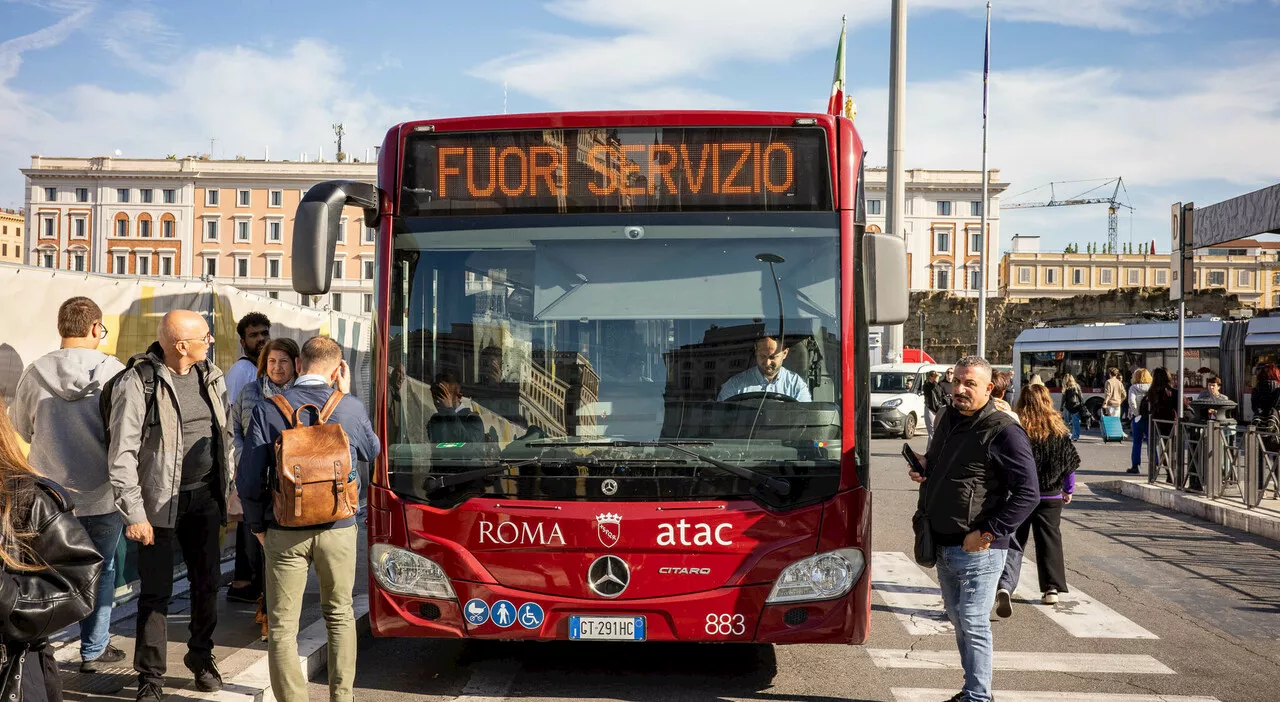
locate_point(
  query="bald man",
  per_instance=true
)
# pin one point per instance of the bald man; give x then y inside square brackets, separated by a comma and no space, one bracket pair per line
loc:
[171,461]
[767,375]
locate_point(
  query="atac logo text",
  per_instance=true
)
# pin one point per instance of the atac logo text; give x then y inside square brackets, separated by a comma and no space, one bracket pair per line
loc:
[520,533]
[609,528]
[683,533]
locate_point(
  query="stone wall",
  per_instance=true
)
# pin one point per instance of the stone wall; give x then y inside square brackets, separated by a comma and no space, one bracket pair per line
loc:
[951,331]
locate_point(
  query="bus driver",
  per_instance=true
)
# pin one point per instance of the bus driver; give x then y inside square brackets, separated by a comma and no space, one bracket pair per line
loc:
[767,375]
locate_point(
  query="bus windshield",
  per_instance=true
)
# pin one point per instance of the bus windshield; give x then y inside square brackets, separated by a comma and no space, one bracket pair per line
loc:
[558,355]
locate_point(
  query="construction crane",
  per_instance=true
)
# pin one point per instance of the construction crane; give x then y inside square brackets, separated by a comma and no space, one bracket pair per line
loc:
[1114,203]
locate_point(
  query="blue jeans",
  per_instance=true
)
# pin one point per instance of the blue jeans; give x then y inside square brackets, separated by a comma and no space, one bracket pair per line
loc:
[968,582]
[95,631]
[1075,425]
[1139,436]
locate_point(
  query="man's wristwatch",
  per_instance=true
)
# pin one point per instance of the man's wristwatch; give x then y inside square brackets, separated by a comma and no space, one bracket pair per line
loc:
[987,538]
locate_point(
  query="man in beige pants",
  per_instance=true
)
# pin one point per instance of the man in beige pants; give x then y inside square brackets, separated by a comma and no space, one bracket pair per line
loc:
[290,552]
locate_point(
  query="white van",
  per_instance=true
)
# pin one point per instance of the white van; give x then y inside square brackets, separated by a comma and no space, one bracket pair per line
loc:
[897,405]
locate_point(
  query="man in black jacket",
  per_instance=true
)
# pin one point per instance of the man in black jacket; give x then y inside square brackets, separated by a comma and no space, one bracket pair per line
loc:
[979,484]
[932,401]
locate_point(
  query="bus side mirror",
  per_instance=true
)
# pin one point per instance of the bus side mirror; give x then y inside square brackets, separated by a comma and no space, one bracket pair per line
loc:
[315,230]
[884,274]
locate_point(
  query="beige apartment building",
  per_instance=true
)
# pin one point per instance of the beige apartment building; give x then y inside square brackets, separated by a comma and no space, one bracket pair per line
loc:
[12,224]
[229,221]
[1248,268]
[943,222]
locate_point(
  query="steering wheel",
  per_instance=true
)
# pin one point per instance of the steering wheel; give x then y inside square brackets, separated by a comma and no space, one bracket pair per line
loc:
[760,395]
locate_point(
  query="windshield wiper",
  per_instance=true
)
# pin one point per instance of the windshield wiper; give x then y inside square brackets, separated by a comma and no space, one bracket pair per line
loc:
[435,483]
[755,477]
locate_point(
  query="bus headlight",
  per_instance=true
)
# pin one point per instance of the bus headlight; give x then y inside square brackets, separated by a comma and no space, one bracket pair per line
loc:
[825,576]
[890,404]
[406,573]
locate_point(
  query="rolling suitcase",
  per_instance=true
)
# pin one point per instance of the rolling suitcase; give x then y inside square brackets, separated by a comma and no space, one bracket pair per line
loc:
[1112,430]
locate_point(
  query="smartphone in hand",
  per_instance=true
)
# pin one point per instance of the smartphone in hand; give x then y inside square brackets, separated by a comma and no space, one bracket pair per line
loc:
[911,459]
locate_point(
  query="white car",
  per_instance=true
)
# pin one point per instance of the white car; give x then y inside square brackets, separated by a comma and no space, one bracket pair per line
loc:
[897,405]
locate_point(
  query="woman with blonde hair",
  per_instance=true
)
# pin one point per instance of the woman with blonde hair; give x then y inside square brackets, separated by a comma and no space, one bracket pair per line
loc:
[1056,463]
[1140,384]
[49,573]
[1073,403]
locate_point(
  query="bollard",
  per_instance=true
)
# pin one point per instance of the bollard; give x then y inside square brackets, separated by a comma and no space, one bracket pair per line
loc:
[1211,472]
[1249,479]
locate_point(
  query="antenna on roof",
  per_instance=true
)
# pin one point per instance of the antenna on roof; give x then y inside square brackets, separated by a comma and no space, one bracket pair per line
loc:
[504,97]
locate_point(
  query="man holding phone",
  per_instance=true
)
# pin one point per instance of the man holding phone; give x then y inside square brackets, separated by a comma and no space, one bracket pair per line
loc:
[978,484]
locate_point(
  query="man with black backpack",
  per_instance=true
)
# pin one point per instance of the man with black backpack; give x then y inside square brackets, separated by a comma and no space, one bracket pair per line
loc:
[304,514]
[171,455]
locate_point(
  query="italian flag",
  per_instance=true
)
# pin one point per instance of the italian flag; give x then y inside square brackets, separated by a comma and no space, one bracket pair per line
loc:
[837,104]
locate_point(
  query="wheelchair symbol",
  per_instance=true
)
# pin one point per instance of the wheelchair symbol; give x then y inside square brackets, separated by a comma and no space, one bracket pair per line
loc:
[530,615]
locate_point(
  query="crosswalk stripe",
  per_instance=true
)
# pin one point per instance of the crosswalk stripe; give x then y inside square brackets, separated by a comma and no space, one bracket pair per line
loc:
[909,592]
[1026,661]
[915,694]
[1082,616]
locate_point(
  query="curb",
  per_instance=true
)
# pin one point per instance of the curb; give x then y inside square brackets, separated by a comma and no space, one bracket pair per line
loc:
[1264,523]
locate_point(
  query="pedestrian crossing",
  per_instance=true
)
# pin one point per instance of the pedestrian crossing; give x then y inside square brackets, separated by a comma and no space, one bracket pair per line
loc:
[911,594]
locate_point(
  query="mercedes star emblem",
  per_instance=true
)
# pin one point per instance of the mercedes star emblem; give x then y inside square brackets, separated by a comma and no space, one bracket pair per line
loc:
[609,486]
[608,576]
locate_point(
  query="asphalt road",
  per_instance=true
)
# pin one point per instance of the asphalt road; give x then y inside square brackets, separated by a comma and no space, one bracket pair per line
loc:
[1163,608]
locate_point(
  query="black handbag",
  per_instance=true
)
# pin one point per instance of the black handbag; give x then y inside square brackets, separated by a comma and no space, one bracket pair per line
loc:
[926,552]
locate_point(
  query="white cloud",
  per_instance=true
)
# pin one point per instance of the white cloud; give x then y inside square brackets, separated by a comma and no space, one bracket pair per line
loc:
[74,16]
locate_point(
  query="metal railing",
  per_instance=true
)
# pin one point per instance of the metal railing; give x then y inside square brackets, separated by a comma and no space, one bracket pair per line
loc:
[1221,460]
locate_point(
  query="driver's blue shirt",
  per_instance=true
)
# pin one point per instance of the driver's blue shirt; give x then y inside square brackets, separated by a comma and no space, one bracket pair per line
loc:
[752,380]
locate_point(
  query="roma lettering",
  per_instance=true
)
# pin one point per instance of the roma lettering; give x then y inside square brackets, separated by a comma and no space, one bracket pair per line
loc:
[520,533]
[683,533]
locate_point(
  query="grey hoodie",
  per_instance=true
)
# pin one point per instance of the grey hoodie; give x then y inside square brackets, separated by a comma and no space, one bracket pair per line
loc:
[55,409]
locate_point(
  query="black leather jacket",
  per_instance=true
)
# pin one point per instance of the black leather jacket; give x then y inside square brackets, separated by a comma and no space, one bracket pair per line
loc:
[36,604]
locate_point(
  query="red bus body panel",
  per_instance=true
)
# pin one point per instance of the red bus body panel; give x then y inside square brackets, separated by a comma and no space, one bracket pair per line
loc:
[495,549]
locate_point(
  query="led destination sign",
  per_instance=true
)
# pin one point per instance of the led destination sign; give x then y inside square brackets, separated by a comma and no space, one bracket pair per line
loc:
[616,170]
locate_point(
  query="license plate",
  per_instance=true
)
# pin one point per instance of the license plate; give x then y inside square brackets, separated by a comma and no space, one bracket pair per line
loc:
[606,628]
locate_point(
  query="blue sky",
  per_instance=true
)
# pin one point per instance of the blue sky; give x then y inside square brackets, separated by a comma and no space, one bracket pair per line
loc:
[1181,97]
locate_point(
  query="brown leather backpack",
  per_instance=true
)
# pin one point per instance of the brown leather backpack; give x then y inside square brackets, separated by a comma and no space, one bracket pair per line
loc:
[314,483]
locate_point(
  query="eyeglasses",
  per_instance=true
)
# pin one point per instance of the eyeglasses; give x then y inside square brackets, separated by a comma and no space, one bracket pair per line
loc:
[207,338]
[103,334]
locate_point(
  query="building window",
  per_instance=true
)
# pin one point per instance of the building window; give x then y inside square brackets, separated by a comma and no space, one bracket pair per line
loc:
[975,280]
[242,198]
[342,235]
[273,231]
[942,241]
[211,197]
[242,267]
[166,265]
[1024,275]
[122,194]
[1135,276]
[211,266]
[48,260]
[170,196]
[166,228]
[277,198]
[1105,276]
[242,230]
[975,208]
[50,194]
[944,208]
[1077,276]
[77,262]
[1051,276]
[122,227]
[82,194]
[121,265]
[79,228]
[873,206]
[368,303]
[274,295]
[144,195]
[975,242]
[4,248]
[211,230]
[1244,279]
[368,270]
[337,270]
[144,228]
[943,281]
[144,265]
[1162,276]
[273,268]
[370,235]
[337,302]
[1217,279]
[48,232]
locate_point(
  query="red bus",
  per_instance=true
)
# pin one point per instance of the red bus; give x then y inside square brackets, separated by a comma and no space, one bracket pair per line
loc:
[578,316]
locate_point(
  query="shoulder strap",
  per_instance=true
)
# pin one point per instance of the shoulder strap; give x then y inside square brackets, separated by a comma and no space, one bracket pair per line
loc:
[329,406]
[285,408]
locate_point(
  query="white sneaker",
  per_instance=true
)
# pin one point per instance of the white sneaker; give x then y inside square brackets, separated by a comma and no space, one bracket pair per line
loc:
[1004,604]
[1050,597]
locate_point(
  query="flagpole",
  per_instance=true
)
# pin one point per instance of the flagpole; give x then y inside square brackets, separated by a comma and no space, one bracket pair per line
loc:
[982,251]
